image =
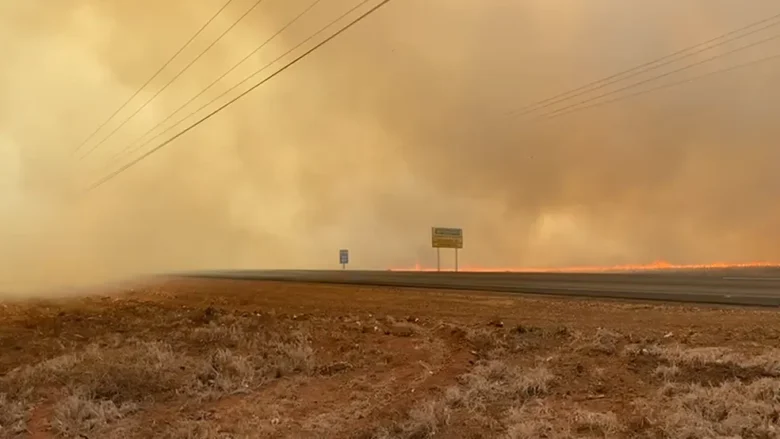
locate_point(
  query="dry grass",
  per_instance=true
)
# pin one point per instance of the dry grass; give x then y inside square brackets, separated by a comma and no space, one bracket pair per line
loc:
[666,372]
[495,343]
[489,383]
[79,415]
[228,335]
[487,342]
[535,420]
[596,423]
[424,421]
[293,356]
[228,372]
[130,372]
[767,363]
[539,419]
[405,329]
[206,429]
[106,385]
[495,380]
[139,370]
[13,416]
[733,409]
[604,341]
[278,370]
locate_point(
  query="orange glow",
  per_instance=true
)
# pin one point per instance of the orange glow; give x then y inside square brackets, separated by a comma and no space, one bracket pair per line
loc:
[655,266]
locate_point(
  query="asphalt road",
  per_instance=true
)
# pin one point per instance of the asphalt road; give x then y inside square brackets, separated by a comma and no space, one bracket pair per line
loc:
[727,287]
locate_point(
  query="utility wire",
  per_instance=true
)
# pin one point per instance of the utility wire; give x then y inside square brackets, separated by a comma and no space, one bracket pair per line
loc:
[148,101]
[216,81]
[646,67]
[149,81]
[645,81]
[229,103]
[252,75]
[669,85]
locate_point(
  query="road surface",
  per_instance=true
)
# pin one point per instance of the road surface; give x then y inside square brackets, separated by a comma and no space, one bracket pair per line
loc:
[726,287]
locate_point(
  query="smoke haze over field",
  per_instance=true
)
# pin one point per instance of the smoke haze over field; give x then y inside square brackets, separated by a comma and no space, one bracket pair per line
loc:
[395,126]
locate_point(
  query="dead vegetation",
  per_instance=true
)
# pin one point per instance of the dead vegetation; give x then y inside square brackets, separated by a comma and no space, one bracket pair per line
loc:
[12,416]
[115,379]
[732,409]
[173,369]
[79,415]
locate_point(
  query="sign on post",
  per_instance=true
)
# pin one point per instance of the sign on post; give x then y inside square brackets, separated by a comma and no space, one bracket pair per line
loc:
[445,237]
[343,258]
[442,237]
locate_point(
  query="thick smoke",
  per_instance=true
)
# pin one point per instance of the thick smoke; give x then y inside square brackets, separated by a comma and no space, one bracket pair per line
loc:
[398,125]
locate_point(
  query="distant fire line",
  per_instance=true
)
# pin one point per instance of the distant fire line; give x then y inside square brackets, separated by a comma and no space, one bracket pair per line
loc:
[656,266]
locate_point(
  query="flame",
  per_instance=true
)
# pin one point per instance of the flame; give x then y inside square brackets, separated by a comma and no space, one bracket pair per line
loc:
[655,266]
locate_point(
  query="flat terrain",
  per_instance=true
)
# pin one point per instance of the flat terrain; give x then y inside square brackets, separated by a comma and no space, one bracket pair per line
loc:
[189,358]
[735,286]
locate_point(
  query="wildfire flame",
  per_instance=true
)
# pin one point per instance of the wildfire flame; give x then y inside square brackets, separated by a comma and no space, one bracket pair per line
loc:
[655,266]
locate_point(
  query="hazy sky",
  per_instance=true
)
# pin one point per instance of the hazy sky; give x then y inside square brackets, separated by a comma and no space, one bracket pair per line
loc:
[397,125]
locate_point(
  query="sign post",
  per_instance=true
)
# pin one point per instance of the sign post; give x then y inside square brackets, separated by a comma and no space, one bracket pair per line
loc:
[442,237]
[344,258]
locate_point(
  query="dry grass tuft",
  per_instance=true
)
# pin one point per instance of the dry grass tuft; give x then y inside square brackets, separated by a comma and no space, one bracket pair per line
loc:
[666,372]
[293,356]
[595,423]
[188,429]
[228,372]
[424,421]
[767,364]
[604,342]
[489,382]
[405,329]
[78,415]
[13,416]
[495,343]
[494,380]
[487,341]
[539,420]
[130,372]
[139,370]
[231,336]
[535,420]
[733,409]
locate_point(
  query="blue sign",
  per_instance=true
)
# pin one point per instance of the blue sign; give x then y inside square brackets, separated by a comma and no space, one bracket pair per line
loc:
[343,257]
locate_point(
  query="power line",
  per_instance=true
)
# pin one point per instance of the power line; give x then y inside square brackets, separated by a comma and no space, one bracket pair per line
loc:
[216,81]
[669,85]
[645,81]
[164,87]
[149,81]
[252,75]
[646,67]
[230,102]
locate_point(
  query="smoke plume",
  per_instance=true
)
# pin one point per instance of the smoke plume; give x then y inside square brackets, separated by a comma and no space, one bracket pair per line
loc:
[398,125]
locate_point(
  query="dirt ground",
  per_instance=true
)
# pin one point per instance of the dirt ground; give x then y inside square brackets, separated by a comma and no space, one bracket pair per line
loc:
[186,358]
